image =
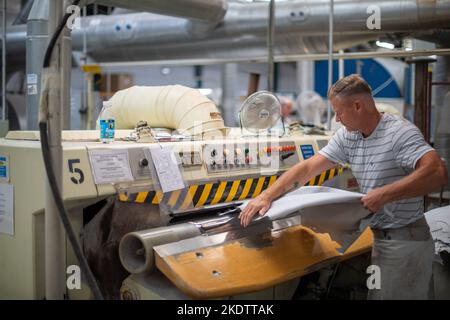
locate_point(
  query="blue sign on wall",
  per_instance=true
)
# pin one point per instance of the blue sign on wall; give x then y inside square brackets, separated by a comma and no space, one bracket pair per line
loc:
[307,151]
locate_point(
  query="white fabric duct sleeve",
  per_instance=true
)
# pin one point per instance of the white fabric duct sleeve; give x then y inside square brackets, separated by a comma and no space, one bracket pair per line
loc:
[175,107]
[324,210]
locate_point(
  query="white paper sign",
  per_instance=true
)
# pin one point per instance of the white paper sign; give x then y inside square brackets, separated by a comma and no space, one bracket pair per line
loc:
[166,166]
[32,78]
[110,166]
[6,209]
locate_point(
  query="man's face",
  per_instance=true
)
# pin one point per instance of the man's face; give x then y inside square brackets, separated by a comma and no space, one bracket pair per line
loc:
[347,112]
[286,109]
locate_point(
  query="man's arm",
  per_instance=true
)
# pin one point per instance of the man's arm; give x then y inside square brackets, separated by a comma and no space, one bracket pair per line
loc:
[429,175]
[298,174]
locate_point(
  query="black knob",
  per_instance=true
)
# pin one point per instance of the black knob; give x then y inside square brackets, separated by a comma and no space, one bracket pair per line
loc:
[143,162]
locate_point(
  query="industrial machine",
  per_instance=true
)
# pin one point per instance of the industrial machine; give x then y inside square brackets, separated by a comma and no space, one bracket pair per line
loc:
[156,210]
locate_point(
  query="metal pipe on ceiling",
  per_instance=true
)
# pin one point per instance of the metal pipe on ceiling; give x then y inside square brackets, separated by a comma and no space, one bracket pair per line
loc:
[211,11]
[282,58]
[301,28]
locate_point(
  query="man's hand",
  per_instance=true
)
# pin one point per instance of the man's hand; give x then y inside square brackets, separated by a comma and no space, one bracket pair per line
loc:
[258,205]
[374,200]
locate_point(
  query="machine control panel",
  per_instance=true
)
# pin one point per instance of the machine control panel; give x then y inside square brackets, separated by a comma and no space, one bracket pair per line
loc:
[232,157]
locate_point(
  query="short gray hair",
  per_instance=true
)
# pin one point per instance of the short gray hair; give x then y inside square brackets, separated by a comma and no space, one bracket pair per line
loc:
[348,86]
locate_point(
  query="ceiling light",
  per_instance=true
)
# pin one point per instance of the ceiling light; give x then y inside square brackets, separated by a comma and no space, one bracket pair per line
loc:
[386,45]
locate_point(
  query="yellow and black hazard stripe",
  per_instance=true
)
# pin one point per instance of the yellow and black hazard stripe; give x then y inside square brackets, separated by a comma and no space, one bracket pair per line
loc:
[325,176]
[219,192]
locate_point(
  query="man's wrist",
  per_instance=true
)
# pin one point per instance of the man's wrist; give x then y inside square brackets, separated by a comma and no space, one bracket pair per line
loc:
[266,196]
[385,195]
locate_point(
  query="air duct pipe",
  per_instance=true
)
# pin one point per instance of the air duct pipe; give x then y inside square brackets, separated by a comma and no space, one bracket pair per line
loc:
[136,248]
[301,27]
[176,107]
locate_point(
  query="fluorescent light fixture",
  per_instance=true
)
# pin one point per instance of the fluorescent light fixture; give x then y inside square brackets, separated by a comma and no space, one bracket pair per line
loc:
[205,91]
[386,45]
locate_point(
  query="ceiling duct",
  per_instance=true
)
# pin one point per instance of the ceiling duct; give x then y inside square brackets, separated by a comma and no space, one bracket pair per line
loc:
[211,11]
[301,27]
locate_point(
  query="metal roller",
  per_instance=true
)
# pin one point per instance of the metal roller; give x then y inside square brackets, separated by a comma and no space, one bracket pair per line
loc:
[136,248]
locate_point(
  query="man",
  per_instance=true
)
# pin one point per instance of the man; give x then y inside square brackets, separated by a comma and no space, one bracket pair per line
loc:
[286,109]
[395,168]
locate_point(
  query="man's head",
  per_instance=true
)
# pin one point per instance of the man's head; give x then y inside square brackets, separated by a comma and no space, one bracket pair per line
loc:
[286,106]
[352,101]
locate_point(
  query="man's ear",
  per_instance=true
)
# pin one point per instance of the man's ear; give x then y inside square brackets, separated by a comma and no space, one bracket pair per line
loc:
[357,105]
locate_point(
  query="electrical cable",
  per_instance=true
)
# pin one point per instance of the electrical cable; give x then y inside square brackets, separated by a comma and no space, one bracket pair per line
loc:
[84,266]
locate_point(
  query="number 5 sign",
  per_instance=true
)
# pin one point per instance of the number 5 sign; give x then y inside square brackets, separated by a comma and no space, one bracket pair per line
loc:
[78,177]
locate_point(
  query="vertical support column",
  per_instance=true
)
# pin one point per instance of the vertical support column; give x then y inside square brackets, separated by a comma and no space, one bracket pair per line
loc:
[270,41]
[198,75]
[341,66]
[55,243]
[441,101]
[66,70]
[422,95]
[4,61]
[4,123]
[229,99]
[330,60]
[422,100]
[305,75]
[37,39]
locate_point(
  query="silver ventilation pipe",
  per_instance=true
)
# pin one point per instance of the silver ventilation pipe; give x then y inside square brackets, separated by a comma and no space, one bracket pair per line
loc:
[301,26]
[211,11]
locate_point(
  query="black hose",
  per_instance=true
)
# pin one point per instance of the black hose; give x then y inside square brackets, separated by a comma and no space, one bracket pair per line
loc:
[84,266]
[51,44]
[63,214]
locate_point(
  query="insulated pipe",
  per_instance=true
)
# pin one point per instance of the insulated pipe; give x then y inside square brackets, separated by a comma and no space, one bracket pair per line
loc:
[301,27]
[209,11]
[176,107]
[136,248]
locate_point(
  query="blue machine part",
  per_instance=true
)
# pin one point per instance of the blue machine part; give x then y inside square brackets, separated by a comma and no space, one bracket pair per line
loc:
[372,71]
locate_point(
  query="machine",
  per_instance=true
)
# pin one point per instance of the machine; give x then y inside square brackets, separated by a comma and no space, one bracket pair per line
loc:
[150,233]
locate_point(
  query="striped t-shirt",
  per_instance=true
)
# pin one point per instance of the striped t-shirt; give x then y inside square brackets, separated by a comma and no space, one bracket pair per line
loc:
[387,155]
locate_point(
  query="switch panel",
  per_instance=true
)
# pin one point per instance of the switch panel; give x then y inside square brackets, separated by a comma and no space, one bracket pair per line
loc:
[220,158]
